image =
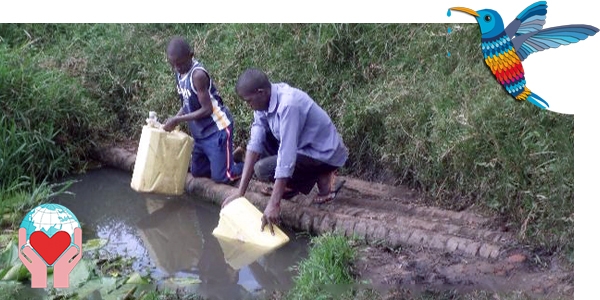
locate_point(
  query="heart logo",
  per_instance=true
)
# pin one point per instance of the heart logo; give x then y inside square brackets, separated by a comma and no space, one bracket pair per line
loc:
[50,248]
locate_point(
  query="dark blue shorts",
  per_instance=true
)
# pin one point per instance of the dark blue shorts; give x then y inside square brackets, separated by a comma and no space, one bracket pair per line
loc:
[306,169]
[212,157]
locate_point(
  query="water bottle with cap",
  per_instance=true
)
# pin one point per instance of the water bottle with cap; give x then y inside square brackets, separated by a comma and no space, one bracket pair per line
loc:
[153,119]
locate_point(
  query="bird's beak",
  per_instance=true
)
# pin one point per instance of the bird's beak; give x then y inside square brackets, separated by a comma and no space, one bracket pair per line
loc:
[466,10]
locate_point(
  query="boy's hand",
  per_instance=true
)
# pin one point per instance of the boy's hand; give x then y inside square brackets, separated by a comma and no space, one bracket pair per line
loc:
[271,216]
[170,124]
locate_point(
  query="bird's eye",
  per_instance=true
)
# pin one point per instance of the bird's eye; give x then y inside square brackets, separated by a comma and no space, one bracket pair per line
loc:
[488,18]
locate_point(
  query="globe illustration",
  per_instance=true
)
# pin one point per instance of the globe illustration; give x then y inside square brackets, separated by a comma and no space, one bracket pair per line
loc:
[50,218]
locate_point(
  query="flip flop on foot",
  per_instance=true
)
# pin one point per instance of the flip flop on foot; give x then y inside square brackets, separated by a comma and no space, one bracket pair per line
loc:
[289,193]
[322,199]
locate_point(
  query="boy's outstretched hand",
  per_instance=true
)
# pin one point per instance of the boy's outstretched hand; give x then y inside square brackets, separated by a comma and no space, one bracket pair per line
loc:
[170,124]
[271,216]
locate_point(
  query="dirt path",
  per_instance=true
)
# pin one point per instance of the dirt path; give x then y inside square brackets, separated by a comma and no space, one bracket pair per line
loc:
[425,262]
[408,245]
[439,250]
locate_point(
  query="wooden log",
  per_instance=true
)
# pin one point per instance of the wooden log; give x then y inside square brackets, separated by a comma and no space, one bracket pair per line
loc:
[399,225]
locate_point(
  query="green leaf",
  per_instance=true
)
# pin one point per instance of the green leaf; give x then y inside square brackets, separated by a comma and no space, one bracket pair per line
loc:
[136,278]
[94,244]
[184,281]
[78,276]
[13,273]
[10,255]
[97,288]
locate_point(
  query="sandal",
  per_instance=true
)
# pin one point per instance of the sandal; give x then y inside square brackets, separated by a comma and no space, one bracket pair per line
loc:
[288,194]
[322,199]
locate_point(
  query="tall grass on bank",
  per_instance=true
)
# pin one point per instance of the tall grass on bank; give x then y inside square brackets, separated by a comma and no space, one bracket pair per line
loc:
[28,154]
[48,124]
[24,157]
[47,127]
[408,113]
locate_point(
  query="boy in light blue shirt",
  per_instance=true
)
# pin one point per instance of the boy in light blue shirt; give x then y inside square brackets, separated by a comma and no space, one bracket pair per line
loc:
[293,143]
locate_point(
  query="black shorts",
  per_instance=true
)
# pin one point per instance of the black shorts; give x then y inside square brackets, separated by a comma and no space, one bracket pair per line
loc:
[304,178]
[306,170]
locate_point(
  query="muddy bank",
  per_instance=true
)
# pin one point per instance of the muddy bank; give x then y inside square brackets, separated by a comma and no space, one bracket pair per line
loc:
[409,248]
[380,214]
[410,271]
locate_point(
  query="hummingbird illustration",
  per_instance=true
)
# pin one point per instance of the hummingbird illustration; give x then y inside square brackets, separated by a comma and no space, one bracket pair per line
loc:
[505,48]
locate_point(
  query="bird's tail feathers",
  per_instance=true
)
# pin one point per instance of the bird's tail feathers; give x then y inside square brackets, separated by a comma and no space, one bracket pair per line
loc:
[537,101]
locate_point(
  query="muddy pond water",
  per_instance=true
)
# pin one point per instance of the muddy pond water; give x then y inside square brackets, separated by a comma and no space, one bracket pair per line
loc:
[169,237]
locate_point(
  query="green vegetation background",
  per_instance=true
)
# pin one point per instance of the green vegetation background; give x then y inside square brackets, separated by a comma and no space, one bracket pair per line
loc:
[408,113]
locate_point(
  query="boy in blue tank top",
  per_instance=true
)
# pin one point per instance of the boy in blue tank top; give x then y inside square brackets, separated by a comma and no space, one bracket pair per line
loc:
[209,120]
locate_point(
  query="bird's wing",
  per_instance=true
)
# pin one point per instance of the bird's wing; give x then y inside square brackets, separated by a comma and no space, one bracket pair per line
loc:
[531,19]
[551,38]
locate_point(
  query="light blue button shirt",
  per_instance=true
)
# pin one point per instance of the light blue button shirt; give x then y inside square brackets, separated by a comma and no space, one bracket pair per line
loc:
[301,126]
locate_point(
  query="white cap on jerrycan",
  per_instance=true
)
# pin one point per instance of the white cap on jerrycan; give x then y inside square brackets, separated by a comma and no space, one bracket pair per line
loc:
[241,220]
[152,120]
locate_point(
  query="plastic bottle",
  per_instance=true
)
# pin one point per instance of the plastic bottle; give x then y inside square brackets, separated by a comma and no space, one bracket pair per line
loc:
[152,120]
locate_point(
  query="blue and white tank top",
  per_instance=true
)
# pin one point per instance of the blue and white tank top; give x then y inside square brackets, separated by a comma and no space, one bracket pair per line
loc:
[220,117]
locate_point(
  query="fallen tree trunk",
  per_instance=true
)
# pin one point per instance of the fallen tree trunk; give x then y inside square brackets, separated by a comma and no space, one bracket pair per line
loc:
[377,221]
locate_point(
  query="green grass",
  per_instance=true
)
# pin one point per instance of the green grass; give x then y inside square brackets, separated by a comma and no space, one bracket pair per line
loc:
[326,272]
[48,124]
[20,199]
[409,114]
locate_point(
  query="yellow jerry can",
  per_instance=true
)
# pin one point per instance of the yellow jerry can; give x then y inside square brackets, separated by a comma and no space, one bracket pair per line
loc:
[241,220]
[162,160]
[238,254]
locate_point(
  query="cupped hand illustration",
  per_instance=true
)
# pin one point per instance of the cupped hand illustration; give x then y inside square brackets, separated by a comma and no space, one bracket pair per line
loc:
[32,261]
[67,261]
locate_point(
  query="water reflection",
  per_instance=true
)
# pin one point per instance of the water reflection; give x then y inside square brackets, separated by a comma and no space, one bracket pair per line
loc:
[179,247]
[238,254]
[170,237]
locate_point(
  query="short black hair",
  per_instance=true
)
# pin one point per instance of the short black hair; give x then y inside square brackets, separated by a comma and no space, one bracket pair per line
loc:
[251,80]
[179,47]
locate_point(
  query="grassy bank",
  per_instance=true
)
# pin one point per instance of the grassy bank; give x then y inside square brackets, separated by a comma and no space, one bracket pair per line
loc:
[328,273]
[48,124]
[409,113]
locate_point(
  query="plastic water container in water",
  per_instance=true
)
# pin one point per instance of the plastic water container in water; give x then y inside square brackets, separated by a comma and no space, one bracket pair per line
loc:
[241,220]
[162,160]
[238,254]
